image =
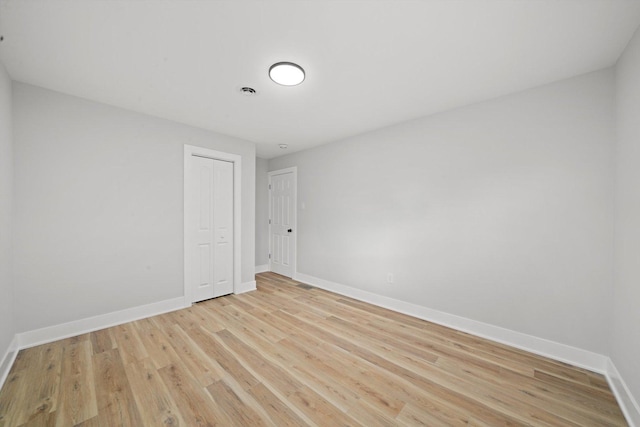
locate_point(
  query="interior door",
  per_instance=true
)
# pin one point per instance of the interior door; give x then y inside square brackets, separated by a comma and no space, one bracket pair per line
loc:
[222,228]
[213,257]
[283,227]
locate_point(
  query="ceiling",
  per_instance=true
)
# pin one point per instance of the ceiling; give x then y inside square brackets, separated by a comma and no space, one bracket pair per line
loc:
[369,63]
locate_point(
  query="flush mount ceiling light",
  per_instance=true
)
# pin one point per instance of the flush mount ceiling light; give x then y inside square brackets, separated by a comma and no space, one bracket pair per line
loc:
[283,146]
[286,73]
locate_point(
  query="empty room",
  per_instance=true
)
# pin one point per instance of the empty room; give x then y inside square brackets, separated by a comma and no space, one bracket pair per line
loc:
[319,213]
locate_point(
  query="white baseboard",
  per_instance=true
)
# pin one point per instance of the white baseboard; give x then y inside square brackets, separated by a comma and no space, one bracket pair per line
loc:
[628,404]
[90,324]
[7,360]
[246,287]
[554,350]
[262,268]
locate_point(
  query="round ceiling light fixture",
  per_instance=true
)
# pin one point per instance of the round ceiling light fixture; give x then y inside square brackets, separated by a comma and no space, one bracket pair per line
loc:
[283,146]
[286,73]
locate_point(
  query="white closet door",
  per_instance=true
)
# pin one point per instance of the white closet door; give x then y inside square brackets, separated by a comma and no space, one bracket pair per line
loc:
[223,228]
[213,256]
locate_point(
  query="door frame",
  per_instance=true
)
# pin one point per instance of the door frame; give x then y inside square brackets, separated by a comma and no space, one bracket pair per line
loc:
[294,260]
[189,152]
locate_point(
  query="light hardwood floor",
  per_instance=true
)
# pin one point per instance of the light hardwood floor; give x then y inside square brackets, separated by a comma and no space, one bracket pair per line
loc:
[292,355]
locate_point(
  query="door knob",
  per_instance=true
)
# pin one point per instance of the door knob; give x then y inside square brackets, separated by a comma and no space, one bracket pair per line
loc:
[289,230]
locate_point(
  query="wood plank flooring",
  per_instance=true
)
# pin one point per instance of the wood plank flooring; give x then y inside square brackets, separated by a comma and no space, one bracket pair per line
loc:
[290,355]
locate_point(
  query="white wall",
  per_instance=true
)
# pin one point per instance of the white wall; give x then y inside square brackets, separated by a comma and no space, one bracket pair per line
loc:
[625,337]
[262,212]
[7,329]
[499,212]
[99,206]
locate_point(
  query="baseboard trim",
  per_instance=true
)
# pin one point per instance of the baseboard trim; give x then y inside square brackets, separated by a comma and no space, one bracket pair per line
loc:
[543,347]
[628,404]
[8,359]
[262,268]
[246,287]
[90,324]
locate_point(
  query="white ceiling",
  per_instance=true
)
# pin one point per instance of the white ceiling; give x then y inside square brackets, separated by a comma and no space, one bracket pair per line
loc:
[369,63]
